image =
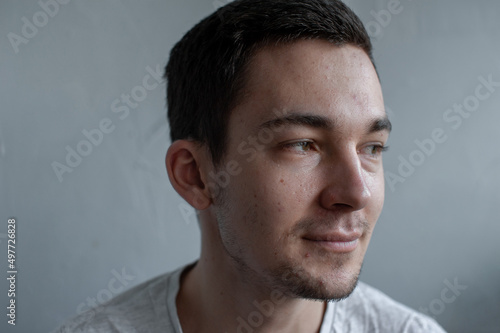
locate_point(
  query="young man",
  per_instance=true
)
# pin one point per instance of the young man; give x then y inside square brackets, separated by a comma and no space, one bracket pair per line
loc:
[278,126]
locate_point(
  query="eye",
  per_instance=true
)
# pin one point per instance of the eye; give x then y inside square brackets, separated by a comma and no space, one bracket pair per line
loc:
[299,146]
[375,150]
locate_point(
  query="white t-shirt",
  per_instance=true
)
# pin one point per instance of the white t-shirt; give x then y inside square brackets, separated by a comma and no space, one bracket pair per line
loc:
[150,307]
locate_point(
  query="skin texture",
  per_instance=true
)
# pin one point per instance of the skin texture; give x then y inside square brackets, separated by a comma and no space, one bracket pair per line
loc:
[304,164]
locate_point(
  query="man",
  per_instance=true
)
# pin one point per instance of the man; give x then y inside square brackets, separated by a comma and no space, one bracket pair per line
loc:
[277,126]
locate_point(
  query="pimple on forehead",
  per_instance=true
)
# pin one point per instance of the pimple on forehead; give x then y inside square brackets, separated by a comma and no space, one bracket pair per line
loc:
[358,99]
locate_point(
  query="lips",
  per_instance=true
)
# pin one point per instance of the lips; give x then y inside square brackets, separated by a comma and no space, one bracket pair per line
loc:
[337,237]
[336,242]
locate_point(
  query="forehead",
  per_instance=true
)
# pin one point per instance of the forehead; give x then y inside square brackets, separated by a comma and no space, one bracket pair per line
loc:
[312,76]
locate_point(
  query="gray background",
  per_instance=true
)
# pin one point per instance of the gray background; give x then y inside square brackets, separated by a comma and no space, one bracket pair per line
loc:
[117,211]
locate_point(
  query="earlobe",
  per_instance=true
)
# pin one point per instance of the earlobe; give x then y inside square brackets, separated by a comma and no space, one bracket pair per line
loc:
[183,168]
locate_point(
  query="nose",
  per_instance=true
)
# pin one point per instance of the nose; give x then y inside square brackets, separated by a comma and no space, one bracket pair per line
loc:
[347,183]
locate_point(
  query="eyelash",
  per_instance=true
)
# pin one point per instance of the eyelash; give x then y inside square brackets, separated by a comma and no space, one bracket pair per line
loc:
[379,149]
[292,145]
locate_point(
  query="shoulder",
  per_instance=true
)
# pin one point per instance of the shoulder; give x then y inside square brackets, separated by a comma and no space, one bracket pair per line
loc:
[371,310]
[135,310]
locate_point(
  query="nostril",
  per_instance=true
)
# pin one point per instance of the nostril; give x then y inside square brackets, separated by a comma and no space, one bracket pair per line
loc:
[342,206]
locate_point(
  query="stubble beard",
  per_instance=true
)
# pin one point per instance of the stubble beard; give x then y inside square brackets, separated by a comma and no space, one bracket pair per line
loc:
[296,282]
[289,278]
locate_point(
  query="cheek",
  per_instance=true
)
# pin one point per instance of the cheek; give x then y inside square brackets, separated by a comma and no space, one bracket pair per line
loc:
[280,196]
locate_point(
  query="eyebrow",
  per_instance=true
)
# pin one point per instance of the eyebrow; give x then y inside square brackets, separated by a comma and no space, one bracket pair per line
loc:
[299,120]
[381,124]
[314,121]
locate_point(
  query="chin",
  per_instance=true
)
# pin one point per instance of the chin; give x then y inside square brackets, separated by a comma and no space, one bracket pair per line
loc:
[333,285]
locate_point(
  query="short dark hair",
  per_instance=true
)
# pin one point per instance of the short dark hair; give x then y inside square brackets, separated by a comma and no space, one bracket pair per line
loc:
[206,70]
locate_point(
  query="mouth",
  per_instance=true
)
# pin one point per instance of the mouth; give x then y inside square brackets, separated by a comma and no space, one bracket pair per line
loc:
[335,243]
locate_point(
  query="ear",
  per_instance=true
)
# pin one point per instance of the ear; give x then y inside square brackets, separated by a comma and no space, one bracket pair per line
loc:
[183,162]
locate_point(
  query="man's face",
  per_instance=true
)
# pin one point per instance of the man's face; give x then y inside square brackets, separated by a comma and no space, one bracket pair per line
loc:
[307,135]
